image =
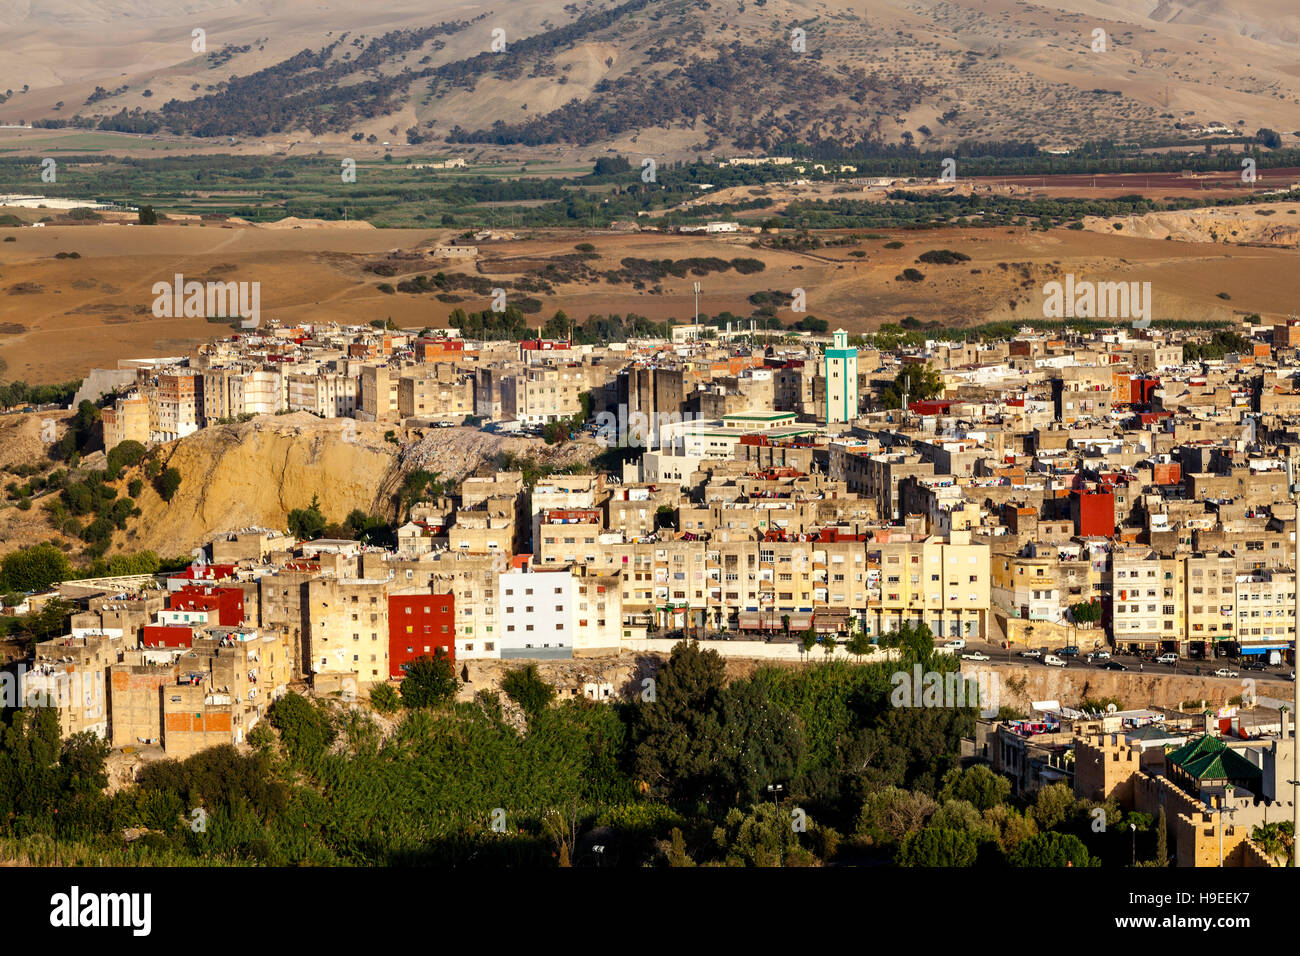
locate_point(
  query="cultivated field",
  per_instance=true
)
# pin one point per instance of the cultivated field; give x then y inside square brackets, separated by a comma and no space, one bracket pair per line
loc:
[60,317]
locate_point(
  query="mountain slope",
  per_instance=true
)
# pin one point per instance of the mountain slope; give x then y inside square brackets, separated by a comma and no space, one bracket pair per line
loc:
[681,77]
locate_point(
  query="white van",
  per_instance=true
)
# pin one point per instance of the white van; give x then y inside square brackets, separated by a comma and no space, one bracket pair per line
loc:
[1051,660]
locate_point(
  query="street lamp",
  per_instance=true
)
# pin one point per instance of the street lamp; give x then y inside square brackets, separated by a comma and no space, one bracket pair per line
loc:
[1133,827]
[775,789]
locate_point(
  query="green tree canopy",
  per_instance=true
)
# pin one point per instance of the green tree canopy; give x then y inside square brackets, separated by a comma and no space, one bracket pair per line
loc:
[33,569]
[527,689]
[938,846]
[919,382]
[429,680]
[676,736]
[1052,849]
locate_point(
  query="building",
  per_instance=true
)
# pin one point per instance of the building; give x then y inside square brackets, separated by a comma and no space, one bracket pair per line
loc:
[418,625]
[840,369]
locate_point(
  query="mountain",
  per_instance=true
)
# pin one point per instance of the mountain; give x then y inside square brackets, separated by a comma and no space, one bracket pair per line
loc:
[675,78]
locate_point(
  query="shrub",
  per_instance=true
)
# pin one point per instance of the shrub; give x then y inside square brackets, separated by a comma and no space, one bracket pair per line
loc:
[168,481]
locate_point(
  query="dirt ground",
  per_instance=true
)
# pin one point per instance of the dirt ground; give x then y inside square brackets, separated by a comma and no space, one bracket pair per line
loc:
[61,317]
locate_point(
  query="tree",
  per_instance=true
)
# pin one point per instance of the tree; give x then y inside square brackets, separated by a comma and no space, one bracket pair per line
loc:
[48,621]
[1162,839]
[168,482]
[892,813]
[761,836]
[384,699]
[919,382]
[126,454]
[759,743]
[1052,849]
[916,640]
[527,689]
[1268,137]
[859,643]
[147,216]
[978,785]
[304,728]
[33,569]
[429,680]
[938,846]
[1086,612]
[306,524]
[1053,805]
[676,738]
[83,761]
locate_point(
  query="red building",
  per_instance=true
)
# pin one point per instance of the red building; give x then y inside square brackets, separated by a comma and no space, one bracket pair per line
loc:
[1093,513]
[228,603]
[165,635]
[1141,390]
[418,624]
[201,572]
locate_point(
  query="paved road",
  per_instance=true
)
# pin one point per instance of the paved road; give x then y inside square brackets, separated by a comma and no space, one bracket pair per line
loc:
[997,654]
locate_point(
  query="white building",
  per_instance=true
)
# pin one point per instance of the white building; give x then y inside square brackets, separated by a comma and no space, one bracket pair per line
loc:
[536,614]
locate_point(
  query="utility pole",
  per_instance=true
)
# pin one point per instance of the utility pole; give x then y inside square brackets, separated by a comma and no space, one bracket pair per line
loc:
[697,305]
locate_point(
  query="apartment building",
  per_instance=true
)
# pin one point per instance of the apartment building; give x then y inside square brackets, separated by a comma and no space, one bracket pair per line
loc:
[176,406]
[379,394]
[348,628]
[943,583]
[419,623]
[127,419]
[433,397]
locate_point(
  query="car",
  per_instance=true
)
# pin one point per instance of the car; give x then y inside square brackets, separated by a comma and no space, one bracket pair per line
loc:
[446,424]
[1069,652]
[1225,672]
[956,644]
[1031,653]
[1169,658]
[1101,655]
[1114,666]
[1051,660]
[974,656]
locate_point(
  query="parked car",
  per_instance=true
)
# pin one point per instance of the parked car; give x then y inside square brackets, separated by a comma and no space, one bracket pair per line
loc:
[446,424]
[975,656]
[1225,672]
[1101,655]
[956,644]
[1114,666]
[1031,653]
[1169,658]
[1051,660]
[1069,652]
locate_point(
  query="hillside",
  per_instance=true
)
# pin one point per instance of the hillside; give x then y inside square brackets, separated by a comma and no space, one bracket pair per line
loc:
[670,78]
[256,472]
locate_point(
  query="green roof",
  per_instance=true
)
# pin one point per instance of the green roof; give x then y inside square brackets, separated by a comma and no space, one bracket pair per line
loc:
[1194,748]
[1209,758]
